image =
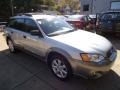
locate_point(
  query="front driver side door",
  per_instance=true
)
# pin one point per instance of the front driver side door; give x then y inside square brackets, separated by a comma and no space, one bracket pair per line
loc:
[34,43]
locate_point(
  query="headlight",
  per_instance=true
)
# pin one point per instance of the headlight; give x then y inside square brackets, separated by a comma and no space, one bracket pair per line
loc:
[92,57]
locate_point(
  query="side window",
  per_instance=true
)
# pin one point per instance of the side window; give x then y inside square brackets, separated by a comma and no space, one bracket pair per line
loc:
[109,16]
[12,23]
[17,23]
[20,24]
[30,25]
[89,19]
[103,17]
[82,19]
[85,19]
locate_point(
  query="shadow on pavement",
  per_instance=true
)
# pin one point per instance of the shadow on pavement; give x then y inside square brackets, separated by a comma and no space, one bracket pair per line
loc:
[108,82]
[39,69]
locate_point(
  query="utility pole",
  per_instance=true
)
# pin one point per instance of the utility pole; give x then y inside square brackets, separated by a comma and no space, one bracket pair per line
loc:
[92,6]
[12,7]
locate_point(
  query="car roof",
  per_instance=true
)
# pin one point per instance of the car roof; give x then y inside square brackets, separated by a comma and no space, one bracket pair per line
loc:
[62,17]
[76,15]
[43,16]
[35,16]
[110,12]
[92,16]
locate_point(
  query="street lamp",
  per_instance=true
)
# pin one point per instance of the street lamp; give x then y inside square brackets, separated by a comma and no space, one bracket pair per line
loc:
[12,8]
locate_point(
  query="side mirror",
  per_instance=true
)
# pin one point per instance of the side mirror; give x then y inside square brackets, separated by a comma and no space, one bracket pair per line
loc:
[35,32]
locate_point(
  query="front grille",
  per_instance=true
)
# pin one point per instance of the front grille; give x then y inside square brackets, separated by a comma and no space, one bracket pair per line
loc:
[109,53]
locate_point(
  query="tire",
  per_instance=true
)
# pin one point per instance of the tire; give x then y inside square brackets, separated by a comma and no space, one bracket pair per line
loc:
[60,67]
[11,46]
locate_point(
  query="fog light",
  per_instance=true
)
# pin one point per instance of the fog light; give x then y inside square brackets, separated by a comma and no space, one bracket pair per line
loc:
[93,73]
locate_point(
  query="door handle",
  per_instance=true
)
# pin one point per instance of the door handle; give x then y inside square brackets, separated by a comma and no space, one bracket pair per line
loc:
[24,37]
[11,32]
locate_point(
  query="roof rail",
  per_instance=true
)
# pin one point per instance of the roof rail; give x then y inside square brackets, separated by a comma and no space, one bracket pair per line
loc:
[30,14]
[24,14]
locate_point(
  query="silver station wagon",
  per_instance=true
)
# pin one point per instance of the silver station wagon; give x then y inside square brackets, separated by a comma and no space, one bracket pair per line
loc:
[67,51]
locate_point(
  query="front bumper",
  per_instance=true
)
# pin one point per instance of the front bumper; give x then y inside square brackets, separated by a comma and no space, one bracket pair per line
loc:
[87,69]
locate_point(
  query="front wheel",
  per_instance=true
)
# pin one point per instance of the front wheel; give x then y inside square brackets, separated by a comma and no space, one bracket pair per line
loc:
[60,67]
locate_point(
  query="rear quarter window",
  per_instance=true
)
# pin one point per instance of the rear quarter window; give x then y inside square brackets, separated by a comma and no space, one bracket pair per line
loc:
[11,23]
[17,23]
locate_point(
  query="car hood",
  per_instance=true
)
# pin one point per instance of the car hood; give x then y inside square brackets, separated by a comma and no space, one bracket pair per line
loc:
[86,42]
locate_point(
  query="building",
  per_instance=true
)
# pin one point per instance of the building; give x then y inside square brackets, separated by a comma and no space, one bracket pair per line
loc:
[68,6]
[97,6]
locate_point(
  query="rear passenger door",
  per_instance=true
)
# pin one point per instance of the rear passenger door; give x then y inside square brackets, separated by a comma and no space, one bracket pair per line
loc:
[16,29]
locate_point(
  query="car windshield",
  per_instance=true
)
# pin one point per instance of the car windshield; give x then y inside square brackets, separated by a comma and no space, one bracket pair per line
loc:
[52,27]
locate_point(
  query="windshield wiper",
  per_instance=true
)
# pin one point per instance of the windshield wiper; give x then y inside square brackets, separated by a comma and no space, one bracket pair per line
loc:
[59,33]
[71,30]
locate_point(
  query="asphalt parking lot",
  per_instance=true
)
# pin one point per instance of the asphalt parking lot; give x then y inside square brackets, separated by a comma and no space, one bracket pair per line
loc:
[21,71]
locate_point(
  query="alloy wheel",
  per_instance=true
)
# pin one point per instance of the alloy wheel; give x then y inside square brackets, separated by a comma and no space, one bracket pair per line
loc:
[11,46]
[59,68]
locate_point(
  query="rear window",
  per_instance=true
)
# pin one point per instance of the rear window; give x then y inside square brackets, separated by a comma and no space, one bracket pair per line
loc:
[75,17]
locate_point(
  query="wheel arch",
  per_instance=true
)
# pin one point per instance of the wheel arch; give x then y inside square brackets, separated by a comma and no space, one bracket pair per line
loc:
[57,51]
[8,38]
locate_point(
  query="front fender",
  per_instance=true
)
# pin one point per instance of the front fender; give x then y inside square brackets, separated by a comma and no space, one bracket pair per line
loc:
[60,51]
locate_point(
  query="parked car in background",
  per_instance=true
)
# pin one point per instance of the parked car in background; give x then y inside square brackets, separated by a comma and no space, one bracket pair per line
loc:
[109,22]
[66,16]
[2,21]
[66,50]
[93,17]
[62,17]
[81,22]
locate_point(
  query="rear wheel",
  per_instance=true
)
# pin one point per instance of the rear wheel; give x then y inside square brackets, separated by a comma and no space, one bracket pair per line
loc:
[60,67]
[11,46]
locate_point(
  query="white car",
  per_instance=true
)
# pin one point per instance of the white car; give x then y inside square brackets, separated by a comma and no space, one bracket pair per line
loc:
[66,50]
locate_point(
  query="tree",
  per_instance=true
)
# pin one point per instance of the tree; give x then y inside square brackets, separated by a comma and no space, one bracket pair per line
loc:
[5,8]
[73,4]
[21,6]
[28,5]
